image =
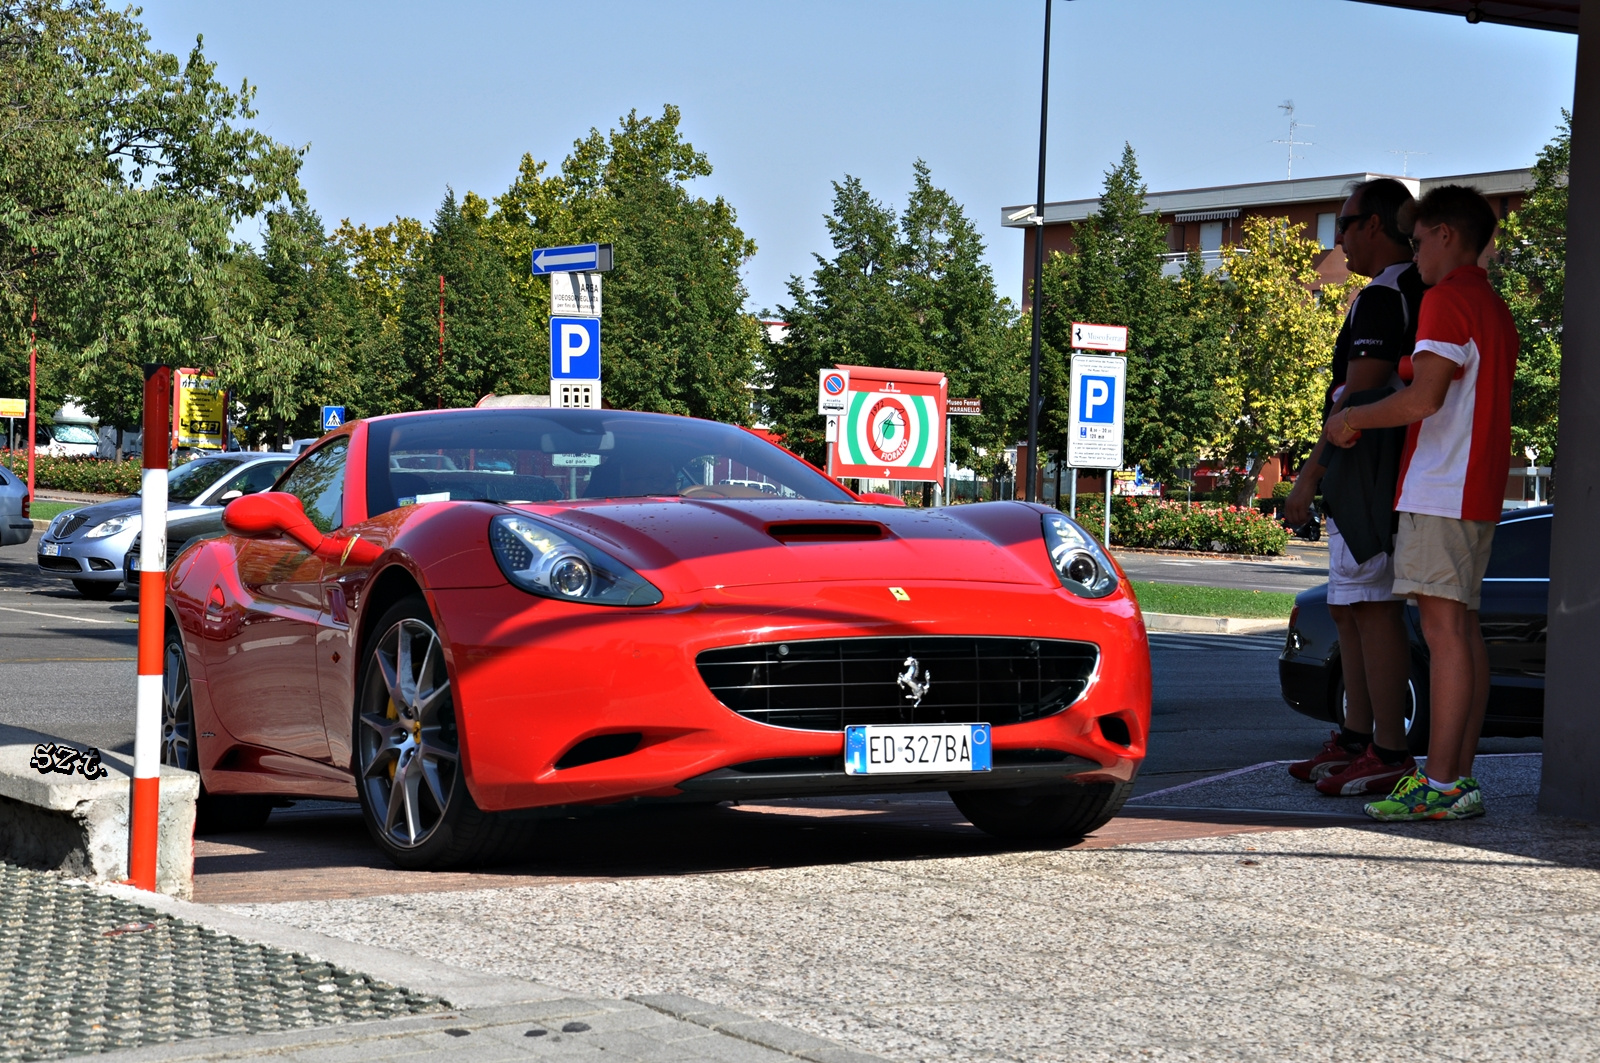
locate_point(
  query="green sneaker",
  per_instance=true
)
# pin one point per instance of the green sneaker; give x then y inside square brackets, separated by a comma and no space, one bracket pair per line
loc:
[1413,798]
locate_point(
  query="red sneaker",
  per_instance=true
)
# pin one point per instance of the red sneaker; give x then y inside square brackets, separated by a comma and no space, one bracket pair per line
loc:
[1366,774]
[1332,758]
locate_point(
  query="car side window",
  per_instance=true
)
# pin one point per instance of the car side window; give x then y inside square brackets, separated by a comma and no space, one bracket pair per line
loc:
[1521,550]
[318,482]
[257,477]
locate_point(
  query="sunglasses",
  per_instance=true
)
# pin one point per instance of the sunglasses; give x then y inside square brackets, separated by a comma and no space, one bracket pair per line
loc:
[1416,241]
[1344,221]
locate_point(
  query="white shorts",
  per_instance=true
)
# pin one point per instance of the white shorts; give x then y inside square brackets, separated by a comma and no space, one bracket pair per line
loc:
[1348,582]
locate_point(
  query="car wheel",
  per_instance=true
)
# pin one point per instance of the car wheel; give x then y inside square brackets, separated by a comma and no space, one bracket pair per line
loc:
[214,813]
[1028,814]
[1416,720]
[95,590]
[408,766]
[1417,715]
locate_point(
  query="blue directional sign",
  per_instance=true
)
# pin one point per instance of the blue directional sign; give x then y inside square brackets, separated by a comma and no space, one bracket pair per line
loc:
[575,348]
[579,258]
[332,417]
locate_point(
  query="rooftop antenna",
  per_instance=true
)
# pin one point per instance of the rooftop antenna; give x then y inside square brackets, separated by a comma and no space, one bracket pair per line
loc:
[1287,107]
[1405,159]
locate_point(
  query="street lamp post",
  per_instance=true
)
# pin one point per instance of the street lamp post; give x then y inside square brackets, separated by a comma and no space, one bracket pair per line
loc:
[1030,481]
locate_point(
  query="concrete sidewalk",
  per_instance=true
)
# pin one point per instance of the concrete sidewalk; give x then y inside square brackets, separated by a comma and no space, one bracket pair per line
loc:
[1456,941]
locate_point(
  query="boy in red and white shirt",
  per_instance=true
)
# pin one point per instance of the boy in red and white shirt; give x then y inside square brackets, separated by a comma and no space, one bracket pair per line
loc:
[1452,480]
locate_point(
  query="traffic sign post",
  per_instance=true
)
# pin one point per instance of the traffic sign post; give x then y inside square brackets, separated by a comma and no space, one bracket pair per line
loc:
[1088,337]
[575,362]
[577,258]
[574,295]
[1094,423]
[332,418]
[832,386]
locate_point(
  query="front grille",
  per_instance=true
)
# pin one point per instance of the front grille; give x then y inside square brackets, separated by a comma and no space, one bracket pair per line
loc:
[827,685]
[73,523]
[60,564]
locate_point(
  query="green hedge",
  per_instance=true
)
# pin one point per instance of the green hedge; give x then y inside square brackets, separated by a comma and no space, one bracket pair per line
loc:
[77,474]
[1163,524]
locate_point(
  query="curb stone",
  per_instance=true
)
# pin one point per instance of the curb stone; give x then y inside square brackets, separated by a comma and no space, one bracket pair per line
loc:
[1214,625]
[482,1000]
[757,1031]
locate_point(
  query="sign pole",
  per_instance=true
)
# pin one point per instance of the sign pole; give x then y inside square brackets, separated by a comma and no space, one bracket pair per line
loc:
[146,810]
[1107,539]
[1029,486]
[33,389]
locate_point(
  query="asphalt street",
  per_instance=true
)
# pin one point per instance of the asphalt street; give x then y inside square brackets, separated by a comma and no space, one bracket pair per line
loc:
[1303,567]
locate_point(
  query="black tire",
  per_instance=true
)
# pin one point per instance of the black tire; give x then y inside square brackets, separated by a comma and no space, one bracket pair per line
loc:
[429,821]
[95,590]
[1030,815]
[1417,712]
[214,813]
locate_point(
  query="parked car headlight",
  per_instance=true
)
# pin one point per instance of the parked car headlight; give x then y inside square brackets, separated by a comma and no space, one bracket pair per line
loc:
[543,561]
[112,526]
[1084,568]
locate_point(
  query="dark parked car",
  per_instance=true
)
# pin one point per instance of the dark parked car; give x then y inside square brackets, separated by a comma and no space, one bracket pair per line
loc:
[1515,592]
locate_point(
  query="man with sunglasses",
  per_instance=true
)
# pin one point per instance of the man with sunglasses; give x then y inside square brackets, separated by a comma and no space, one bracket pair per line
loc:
[1368,753]
[1452,485]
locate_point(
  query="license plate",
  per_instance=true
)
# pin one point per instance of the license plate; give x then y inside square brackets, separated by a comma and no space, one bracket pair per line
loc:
[887,749]
[133,562]
[49,549]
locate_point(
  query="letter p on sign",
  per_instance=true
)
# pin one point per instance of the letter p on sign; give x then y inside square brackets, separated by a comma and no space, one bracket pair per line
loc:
[1095,402]
[575,348]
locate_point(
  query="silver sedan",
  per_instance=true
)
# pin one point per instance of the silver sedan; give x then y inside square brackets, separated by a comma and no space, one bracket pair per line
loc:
[15,527]
[88,545]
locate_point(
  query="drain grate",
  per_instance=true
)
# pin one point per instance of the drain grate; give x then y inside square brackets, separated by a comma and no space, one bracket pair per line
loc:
[81,972]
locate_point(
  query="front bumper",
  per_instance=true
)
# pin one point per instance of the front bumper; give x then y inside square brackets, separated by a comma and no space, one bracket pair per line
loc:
[96,560]
[535,678]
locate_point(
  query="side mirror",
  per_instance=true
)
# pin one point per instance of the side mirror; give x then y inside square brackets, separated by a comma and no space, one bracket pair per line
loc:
[270,514]
[878,498]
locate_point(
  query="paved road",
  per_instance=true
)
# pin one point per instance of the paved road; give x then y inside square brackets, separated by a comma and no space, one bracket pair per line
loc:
[1305,566]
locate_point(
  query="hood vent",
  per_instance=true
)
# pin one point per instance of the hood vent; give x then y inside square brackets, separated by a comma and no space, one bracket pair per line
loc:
[827,531]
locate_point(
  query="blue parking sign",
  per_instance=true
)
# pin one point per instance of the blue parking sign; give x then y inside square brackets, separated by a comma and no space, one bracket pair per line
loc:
[1097,399]
[332,417]
[575,348]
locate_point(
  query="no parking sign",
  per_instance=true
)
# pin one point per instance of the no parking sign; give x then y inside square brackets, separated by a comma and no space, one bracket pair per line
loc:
[831,387]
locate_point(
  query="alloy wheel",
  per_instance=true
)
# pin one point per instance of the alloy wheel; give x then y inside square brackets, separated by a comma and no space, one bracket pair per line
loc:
[177,710]
[408,746]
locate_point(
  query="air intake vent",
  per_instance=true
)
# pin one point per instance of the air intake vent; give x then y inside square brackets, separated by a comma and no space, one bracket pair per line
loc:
[598,748]
[827,531]
[826,685]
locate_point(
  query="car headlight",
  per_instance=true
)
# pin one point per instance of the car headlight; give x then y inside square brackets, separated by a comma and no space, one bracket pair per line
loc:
[1083,566]
[543,561]
[112,526]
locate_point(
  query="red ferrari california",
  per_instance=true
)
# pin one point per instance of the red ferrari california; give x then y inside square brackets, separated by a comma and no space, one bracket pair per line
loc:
[458,617]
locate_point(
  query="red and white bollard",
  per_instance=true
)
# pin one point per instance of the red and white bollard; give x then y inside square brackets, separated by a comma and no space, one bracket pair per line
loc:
[146,811]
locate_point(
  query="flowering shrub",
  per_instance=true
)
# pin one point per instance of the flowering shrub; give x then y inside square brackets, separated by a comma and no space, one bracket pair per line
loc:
[77,474]
[1164,524]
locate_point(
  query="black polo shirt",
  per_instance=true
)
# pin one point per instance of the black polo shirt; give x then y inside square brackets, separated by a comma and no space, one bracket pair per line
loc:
[1381,323]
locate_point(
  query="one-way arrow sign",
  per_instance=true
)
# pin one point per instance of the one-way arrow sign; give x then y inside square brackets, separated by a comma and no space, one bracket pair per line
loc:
[580,258]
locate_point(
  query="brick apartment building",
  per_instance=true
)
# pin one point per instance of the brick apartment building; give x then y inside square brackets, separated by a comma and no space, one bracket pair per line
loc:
[1208,219]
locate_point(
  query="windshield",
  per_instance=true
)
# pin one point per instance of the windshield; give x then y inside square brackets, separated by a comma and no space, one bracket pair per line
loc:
[73,433]
[554,455]
[189,482]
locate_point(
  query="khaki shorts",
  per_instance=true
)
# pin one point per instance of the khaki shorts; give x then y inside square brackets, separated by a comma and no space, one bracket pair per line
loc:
[1441,557]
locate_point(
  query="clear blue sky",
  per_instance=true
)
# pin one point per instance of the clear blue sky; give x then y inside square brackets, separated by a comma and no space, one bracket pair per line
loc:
[399,99]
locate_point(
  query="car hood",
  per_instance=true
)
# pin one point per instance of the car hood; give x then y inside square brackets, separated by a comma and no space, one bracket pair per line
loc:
[118,507]
[703,543]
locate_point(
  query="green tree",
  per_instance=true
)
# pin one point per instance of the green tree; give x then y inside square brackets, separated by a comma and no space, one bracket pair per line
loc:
[1530,273]
[675,336]
[1279,333]
[907,291]
[122,174]
[1115,275]
[488,346]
